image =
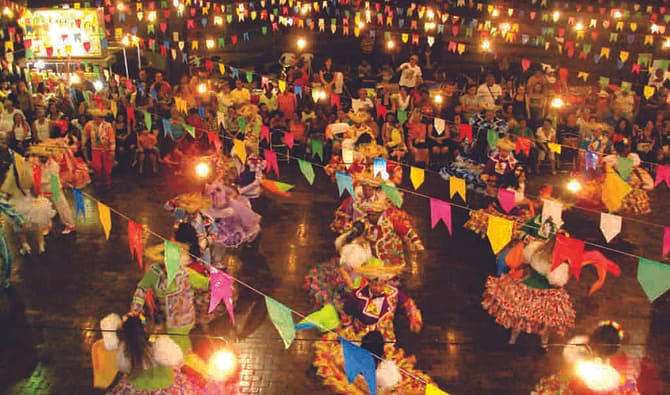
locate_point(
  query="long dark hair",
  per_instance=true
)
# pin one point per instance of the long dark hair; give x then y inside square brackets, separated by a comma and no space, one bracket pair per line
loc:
[357,229]
[186,233]
[137,347]
[605,341]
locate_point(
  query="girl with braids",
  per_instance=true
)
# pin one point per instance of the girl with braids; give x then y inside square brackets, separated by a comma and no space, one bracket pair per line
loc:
[150,366]
[328,281]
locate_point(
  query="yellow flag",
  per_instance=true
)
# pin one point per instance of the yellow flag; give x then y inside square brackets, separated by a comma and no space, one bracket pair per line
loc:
[648,39]
[404,37]
[619,25]
[416,175]
[583,75]
[114,109]
[499,232]
[605,52]
[460,48]
[623,55]
[580,34]
[194,45]
[282,85]
[648,91]
[222,69]
[633,26]
[432,389]
[240,150]
[9,46]
[457,186]
[614,190]
[553,147]
[105,218]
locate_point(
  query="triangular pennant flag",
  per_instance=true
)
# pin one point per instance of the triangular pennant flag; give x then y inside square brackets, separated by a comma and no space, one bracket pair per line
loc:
[499,232]
[171,260]
[416,175]
[456,186]
[379,168]
[317,149]
[271,162]
[79,206]
[190,130]
[552,210]
[439,125]
[393,195]
[240,150]
[147,120]
[221,288]
[359,361]
[654,277]
[402,116]
[610,225]
[570,250]
[662,174]
[440,210]
[265,133]
[325,319]
[666,240]
[105,216]
[135,233]
[344,183]
[506,199]
[432,389]
[282,186]
[614,189]
[307,170]
[555,148]
[289,139]
[55,187]
[492,137]
[282,319]
[624,166]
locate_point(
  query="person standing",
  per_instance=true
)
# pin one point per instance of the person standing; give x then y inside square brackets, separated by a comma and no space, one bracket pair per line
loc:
[410,73]
[103,146]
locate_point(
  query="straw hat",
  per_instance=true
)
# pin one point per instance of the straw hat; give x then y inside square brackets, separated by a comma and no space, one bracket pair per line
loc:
[374,206]
[506,144]
[372,150]
[366,178]
[42,150]
[375,270]
[96,112]
[248,110]
[359,116]
[192,202]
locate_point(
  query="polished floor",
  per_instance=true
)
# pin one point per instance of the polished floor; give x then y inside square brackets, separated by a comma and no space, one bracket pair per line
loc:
[45,344]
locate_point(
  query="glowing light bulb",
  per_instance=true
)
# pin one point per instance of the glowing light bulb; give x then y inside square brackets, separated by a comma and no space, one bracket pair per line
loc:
[557,102]
[438,99]
[125,41]
[573,186]
[390,44]
[209,43]
[202,169]
[430,14]
[74,79]
[666,44]
[152,16]
[322,95]
[617,14]
[222,364]
[361,24]
[579,26]
[7,12]
[495,12]
[486,45]
[598,376]
[98,85]
[218,20]
[555,16]
[202,88]
[301,43]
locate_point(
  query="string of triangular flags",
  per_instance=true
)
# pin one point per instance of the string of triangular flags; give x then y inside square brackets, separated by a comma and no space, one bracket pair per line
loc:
[356,359]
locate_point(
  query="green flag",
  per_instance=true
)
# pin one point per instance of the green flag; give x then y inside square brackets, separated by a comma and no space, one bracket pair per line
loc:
[402,116]
[492,137]
[283,186]
[282,319]
[190,129]
[624,166]
[55,187]
[392,194]
[172,257]
[317,149]
[307,170]
[654,277]
[147,120]
[326,319]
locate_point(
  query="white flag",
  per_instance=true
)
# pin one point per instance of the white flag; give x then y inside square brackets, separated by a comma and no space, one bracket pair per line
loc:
[610,225]
[552,209]
[439,125]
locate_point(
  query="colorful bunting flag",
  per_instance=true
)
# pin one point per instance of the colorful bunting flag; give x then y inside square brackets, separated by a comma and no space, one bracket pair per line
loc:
[282,320]
[570,250]
[55,187]
[614,189]
[499,232]
[307,170]
[240,150]
[666,240]
[662,174]
[654,277]
[432,389]
[271,162]
[317,149]
[79,206]
[552,210]
[416,176]
[221,288]
[506,199]
[610,225]
[457,186]
[135,232]
[171,259]
[325,319]
[440,210]
[344,183]
[105,216]
[359,361]
[393,195]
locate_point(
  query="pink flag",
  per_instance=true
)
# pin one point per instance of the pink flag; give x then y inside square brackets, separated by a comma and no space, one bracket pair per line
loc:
[288,139]
[265,133]
[440,210]
[221,287]
[135,241]
[666,240]
[662,174]
[506,199]
[271,162]
[525,64]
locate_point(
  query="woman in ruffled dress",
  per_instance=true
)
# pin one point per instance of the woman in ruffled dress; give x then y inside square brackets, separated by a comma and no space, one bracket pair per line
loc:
[36,210]
[149,366]
[534,302]
[329,281]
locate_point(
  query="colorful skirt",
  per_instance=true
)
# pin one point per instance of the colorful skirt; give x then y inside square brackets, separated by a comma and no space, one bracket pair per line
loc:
[636,202]
[325,284]
[235,225]
[519,307]
[479,220]
[329,364]
[559,384]
[180,386]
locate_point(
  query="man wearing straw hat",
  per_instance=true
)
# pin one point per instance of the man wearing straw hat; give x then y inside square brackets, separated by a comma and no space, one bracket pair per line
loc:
[373,306]
[103,146]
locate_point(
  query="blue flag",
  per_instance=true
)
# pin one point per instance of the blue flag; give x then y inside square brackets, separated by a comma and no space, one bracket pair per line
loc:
[78,203]
[167,128]
[359,361]
[344,183]
[297,89]
[201,112]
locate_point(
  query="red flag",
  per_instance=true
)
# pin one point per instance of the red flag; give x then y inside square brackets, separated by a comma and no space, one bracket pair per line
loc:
[271,162]
[440,210]
[570,250]
[135,232]
[37,179]
[265,133]
[288,139]
[465,130]
[381,111]
[525,64]
[213,138]
[335,100]
[87,46]
[130,113]
[523,145]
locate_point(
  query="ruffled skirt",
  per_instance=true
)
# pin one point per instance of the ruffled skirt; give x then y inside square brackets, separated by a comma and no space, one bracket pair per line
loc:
[479,220]
[236,224]
[325,284]
[519,307]
[37,211]
[329,364]
[180,386]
